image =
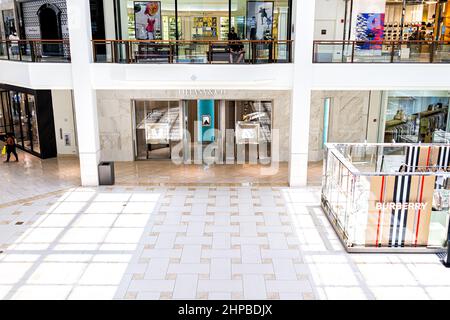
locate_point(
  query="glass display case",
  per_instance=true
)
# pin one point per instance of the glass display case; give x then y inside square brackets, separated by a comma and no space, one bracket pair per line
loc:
[388,197]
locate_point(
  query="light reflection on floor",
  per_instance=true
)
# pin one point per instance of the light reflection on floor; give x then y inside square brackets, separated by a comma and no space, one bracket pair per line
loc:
[196,243]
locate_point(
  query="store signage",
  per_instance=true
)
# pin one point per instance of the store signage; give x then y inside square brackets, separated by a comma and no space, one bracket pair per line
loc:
[206,121]
[32,31]
[401,206]
[196,93]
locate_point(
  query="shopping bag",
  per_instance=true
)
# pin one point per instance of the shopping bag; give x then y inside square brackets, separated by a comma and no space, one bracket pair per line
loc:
[4,150]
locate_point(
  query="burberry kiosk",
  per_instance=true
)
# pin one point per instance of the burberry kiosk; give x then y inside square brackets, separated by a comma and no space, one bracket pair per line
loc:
[388,197]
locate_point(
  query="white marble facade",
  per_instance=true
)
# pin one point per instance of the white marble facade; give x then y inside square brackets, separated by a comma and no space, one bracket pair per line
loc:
[116,123]
[347,123]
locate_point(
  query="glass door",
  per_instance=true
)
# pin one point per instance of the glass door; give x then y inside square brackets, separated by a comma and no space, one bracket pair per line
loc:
[25,122]
[202,120]
[32,116]
[15,115]
[3,130]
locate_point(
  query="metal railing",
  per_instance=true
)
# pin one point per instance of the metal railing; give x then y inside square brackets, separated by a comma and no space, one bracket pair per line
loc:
[192,52]
[338,51]
[38,50]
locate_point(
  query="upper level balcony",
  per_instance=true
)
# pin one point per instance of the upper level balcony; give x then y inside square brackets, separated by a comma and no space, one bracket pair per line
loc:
[192,52]
[36,50]
[414,51]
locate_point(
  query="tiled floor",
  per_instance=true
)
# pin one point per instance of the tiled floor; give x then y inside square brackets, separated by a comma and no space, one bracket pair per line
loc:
[165,172]
[195,243]
[315,170]
[32,176]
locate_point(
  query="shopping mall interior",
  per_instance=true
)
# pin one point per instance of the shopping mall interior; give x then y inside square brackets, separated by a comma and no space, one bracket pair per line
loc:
[224,149]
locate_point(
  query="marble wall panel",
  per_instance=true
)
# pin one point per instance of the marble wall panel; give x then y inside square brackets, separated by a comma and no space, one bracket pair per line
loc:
[347,122]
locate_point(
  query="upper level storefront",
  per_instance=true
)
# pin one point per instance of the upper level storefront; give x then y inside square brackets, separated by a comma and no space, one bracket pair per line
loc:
[166,31]
[192,31]
[230,31]
[382,31]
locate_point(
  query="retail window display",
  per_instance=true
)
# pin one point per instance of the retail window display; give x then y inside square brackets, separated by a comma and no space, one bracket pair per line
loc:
[400,20]
[257,112]
[388,31]
[163,126]
[201,29]
[413,118]
[263,20]
[225,27]
[253,124]
[205,28]
[170,28]
[388,197]
[149,20]
[28,114]
[158,126]
[207,20]
[417,22]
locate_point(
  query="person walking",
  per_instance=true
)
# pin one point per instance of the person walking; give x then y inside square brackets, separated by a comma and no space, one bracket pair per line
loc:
[11,147]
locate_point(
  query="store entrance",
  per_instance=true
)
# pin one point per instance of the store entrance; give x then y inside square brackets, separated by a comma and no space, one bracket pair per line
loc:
[204,131]
[50,25]
[204,142]
[202,134]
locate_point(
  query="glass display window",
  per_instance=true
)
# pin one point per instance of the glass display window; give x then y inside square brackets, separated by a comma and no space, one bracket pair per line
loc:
[148,20]
[158,124]
[413,117]
[33,124]
[2,119]
[258,20]
[4,100]
[15,114]
[256,112]
[24,122]
[204,20]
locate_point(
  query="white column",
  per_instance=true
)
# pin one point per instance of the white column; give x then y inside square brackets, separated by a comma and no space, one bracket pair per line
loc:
[303,17]
[84,95]
[110,23]
[110,19]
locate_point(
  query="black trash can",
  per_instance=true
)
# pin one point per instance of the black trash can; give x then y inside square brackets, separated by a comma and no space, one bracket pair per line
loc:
[106,176]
